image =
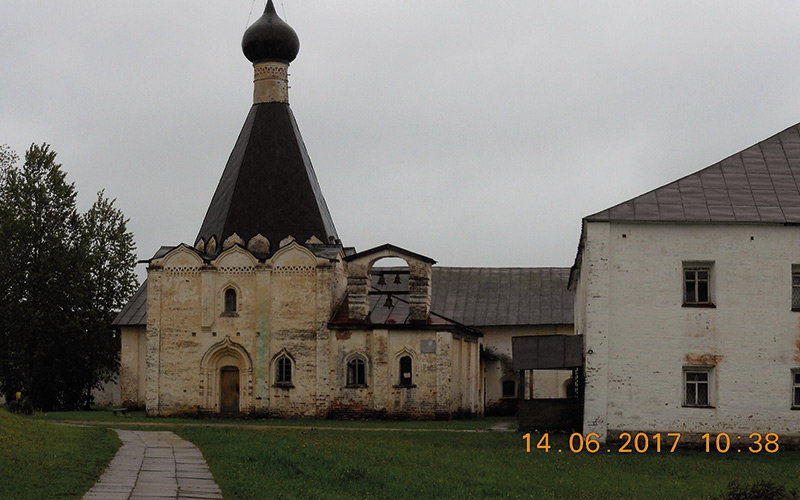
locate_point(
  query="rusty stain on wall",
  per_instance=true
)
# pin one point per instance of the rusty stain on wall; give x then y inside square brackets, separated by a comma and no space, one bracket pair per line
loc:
[706,359]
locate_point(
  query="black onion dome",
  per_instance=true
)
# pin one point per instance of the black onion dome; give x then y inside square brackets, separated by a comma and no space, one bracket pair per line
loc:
[270,39]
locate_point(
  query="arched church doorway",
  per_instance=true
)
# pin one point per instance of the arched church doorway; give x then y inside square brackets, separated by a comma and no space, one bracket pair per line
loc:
[229,389]
[226,372]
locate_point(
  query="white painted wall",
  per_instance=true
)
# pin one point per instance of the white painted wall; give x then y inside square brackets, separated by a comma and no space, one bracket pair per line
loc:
[639,337]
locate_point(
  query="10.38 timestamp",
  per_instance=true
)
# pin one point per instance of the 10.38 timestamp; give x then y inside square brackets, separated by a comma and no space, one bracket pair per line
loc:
[641,443]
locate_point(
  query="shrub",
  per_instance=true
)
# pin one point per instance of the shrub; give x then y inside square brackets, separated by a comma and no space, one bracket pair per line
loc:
[760,490]
[24,407]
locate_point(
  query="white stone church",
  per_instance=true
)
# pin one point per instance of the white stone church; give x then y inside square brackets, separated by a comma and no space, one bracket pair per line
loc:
[687,299]
[268,312]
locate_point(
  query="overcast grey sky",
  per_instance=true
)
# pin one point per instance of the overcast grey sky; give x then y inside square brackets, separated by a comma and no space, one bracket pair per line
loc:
[477,133]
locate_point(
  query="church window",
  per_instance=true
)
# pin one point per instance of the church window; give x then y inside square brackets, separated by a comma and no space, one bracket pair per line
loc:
[406,377]
[697,285]
[796,388]
[697,383]
[230,300]
[283,370]
[356,371]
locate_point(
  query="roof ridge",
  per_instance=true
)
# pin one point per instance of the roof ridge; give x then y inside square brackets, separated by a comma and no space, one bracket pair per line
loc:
[684,209]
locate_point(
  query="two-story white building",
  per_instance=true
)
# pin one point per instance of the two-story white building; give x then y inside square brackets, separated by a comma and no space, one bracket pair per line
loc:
[688,298]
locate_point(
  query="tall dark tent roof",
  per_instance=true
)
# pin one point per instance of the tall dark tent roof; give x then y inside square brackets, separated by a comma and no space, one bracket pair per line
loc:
[758,184]
[268,185]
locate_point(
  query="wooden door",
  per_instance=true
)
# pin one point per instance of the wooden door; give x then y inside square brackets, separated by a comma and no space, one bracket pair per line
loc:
[229,389]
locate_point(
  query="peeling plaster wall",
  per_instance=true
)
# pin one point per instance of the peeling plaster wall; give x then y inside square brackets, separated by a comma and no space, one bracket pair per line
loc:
[641,338]
[383,395]
[283,308]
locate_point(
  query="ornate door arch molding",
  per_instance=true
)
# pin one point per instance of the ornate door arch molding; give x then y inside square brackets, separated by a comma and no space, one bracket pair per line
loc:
[219,355]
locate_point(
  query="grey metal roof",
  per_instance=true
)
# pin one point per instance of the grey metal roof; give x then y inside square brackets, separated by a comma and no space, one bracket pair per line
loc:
[493,296]
[758,184]
[135,311]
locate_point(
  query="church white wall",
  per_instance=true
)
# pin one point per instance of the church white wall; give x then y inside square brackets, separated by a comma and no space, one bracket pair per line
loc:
[639,337]
[133,373]
[108,394]
[283,308]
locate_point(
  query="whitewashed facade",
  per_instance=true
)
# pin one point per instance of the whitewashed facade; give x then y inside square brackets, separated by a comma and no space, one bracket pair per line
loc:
[684,297]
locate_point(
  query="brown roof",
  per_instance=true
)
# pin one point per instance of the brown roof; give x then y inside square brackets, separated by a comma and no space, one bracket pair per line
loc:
[758,184]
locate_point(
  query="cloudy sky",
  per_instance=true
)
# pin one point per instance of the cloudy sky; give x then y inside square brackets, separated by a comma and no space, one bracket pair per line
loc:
[477,133]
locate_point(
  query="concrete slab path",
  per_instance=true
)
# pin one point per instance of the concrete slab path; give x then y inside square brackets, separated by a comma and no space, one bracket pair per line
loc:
[155,466]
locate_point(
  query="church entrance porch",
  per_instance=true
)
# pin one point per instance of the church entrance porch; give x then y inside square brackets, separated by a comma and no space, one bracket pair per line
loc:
[226,378]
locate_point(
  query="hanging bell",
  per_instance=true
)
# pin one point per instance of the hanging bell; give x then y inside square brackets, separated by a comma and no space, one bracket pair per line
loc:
[382,280]
[388,302]
[397,279]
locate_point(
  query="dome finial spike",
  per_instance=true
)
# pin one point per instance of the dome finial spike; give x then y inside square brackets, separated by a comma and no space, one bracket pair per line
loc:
[270,38]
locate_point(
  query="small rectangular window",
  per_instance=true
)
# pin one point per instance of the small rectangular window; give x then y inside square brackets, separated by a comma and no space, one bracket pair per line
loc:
[697,285]
[697,389]
[795,288]
[796,388]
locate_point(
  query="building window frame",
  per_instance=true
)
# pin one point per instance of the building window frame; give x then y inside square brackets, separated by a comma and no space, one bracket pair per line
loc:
[283,371]
[230,301]
[405,366]
[698,386]
[508,388]
[795,388]
[795,287]
[356,371]
[698,284]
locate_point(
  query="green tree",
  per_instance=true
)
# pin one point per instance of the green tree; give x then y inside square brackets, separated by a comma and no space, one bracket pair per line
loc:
[62,276]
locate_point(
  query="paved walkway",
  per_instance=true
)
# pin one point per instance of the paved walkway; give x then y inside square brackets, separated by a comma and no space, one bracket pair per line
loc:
[155,466]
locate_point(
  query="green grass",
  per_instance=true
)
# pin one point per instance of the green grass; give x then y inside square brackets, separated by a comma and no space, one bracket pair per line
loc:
[40,461]
[138,417]
[316,463]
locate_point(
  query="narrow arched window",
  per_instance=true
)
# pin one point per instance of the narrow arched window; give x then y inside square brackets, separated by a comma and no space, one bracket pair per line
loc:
[356,371]
[230,300]
[283,370]
[406,377]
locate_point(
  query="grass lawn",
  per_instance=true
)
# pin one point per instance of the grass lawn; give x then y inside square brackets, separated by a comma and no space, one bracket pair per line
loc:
[138,417]
[317,463]
[41,461]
